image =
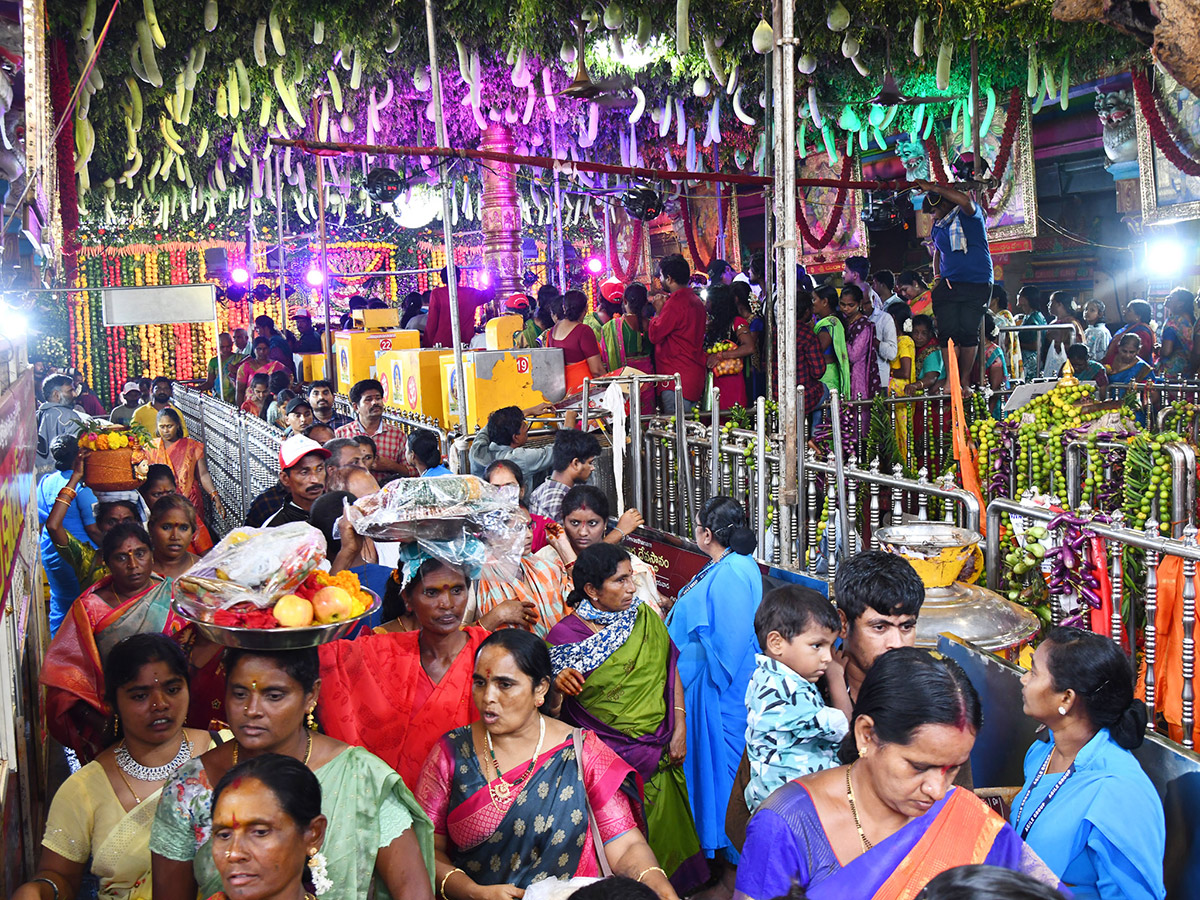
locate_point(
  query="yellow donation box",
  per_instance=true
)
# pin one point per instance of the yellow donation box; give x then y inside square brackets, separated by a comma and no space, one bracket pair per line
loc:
[499,378]
[412,380]
[355,350]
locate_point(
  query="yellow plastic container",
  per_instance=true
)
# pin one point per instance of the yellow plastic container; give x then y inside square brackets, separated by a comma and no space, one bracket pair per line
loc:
[355,351]
[412,380]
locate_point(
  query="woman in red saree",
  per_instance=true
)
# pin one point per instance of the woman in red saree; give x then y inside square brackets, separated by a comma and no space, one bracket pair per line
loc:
[185,457]
[581,351]
[131,600]
[396,693]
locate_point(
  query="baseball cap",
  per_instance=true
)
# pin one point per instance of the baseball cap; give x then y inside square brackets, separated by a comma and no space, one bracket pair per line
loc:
[612,289]
[302,311]
[517,301]
[130,386]
[296,448]
[295,403]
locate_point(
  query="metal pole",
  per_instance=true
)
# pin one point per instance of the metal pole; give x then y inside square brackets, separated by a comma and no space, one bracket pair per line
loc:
[439,121]
[839,469]
[329,370]
[685,470]
[714,436]
[787,332]
[606,212]
[760,475]
[635,439]
[559,257]
[770,308]
[279,227]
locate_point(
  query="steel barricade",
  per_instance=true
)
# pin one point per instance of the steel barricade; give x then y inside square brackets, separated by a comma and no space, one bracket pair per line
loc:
[1118,539]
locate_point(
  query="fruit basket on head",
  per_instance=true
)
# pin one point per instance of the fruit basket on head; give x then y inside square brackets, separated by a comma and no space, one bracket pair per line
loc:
[262,589]
[117,461]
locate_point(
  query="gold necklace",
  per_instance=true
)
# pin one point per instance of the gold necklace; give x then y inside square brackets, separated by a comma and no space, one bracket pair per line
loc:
[867,845]
[307,750]
[499,788]
[136,799]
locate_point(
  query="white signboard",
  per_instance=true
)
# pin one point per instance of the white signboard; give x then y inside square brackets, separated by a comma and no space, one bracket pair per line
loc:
[160,304]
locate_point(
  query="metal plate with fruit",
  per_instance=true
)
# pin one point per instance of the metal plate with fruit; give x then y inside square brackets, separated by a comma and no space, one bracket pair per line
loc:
[280,636]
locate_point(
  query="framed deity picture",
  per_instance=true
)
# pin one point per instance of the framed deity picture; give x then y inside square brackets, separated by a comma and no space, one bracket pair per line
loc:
[1168,195]
[818,206]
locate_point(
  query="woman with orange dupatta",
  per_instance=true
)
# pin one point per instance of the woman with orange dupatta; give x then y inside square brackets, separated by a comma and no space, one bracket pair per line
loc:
[397,693]
[883,826]
[131,600]
[185,457]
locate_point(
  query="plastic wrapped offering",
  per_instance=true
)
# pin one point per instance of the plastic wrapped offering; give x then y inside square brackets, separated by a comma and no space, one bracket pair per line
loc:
[251,565]
[441,514]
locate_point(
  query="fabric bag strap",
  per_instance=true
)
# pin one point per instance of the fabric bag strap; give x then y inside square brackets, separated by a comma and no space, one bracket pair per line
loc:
[601,854]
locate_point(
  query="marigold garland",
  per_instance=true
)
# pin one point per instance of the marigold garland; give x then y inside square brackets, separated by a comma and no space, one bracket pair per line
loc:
[1163,135]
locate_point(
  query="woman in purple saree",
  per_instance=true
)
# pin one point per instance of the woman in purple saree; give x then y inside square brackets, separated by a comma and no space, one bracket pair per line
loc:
[882,827]
[615,665]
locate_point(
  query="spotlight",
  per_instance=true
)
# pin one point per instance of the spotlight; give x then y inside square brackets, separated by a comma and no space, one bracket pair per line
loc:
[384,185]
[314,277]
[643,203]
[1166,255]
[595,265]
[529,279]
[239,274]
[263,292]
[485,278]
[13,323]
[236,292]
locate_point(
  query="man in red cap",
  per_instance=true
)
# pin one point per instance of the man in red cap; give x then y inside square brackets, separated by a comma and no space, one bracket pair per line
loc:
[302,472]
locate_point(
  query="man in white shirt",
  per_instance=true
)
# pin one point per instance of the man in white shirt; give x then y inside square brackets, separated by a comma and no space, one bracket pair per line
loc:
[856,271]
[884,284]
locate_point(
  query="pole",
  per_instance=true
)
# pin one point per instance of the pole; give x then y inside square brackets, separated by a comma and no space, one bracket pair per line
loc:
[279,228]
[770,307]
[559,257]
[548,162]
[439,121]
[330,372]
[787,330]
[606,211]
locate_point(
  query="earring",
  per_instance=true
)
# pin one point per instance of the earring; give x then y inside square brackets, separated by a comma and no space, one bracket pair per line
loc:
[319,872]
[1062,710]
[116,722]
[312,723]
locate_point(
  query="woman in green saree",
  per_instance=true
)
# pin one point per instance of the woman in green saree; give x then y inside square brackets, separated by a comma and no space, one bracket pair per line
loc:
[615,666]
[832,336]
[378,839]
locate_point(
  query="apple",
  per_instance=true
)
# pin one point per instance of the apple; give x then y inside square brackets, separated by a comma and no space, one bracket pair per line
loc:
[293,611]
[332,604]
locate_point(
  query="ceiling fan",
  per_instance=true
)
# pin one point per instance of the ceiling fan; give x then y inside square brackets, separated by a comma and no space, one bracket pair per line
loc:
[603,93]
[889,91]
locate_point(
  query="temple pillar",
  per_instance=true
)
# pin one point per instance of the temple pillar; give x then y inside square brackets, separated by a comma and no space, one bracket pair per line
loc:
[501,214]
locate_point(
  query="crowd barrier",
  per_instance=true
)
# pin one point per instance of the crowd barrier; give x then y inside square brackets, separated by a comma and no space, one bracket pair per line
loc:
[1126,593]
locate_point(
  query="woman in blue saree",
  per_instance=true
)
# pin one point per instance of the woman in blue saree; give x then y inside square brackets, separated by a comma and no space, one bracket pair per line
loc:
[883,826]
[1103,831]
[712,624]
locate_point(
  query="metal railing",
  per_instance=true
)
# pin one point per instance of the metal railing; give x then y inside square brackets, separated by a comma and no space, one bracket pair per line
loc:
[1117,539]
[689,462]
